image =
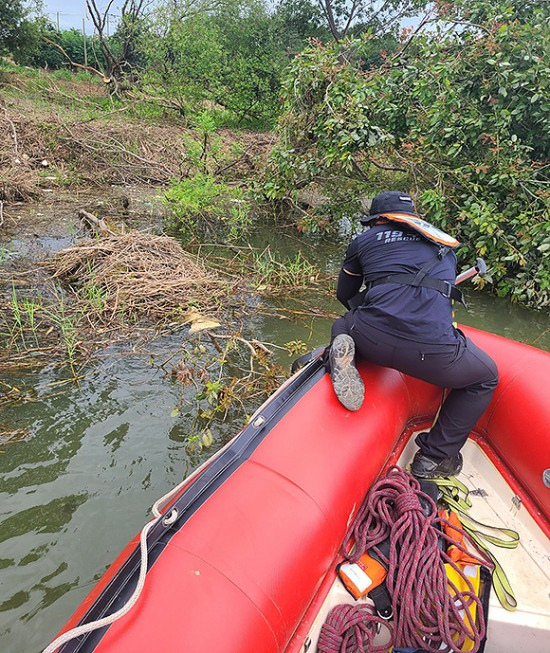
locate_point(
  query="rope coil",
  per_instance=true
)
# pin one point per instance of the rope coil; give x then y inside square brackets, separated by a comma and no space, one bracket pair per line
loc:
[352,629]
[426,613]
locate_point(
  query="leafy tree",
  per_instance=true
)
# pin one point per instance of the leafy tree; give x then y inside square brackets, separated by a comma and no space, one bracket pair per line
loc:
[460,116]
[15,26]
[44,54]
[298,21]
[252,60]
[184,60]
[228,55]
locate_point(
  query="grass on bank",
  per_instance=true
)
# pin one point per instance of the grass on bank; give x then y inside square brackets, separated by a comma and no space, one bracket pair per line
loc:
[63,129]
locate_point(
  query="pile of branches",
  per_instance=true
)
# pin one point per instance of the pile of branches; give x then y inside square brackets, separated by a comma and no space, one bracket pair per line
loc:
[120,153]
[137,275]
[113,152]
[16,184]
[17,180]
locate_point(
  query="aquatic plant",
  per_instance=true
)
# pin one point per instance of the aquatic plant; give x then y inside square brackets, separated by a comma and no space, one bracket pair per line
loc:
[223,376]
[36,325]
[286,273]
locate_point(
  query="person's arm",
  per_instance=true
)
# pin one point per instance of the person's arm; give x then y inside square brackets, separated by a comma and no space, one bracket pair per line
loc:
[350,277]
[348,286]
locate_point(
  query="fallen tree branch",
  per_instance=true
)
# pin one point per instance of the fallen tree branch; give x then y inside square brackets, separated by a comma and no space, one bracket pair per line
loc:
[91,69]
[95,223]
[13,131]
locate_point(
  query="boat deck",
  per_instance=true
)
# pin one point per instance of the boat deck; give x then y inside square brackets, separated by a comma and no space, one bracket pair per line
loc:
[527,567]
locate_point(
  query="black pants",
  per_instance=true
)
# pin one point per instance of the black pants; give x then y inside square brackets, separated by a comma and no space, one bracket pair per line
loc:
[463,366]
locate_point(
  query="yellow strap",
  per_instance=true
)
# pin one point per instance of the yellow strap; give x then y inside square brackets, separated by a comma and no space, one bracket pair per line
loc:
[501,584]
[456,495]
[479,529]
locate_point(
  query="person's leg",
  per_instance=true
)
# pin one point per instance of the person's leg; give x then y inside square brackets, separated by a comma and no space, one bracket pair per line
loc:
[351,337]
[474,377]
[467,370]
[339,327]
[340,363]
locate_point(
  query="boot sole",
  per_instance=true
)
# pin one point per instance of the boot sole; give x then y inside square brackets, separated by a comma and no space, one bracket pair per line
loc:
[346,381]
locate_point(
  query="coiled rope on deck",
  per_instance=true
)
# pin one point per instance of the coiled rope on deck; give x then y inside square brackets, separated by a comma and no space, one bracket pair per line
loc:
[352,629]
[425,613]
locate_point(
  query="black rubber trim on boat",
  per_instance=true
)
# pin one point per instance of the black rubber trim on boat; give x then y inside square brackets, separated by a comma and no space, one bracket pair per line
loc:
[121,586]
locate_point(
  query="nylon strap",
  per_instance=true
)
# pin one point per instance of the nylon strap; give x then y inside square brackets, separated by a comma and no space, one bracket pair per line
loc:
[456,495]
[444,287]
[421,279]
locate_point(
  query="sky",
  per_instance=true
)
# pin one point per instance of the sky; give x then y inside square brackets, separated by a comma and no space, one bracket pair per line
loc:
[71,13]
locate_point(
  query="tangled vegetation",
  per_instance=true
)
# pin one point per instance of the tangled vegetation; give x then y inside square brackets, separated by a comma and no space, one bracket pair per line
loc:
[136,275]
[224,377]
[460,116]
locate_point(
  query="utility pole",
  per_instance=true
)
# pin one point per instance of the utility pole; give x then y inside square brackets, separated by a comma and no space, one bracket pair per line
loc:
[107,19]
[85,42]
[57,16]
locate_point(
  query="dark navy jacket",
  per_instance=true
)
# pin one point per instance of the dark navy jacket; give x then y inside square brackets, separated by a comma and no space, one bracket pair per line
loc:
[418,314]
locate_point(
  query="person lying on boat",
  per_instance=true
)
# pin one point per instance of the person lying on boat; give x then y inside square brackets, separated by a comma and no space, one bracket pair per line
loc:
[404,320]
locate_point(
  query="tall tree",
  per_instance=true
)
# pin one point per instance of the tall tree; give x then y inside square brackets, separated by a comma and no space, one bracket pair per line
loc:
[13,24]
[300,20]
[118,59]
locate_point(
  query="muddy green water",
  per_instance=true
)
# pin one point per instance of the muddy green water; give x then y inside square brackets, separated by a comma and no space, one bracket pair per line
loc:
[99,454]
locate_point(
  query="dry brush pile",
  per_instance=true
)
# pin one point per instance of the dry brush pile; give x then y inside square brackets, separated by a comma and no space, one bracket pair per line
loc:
[137,275]
[17,180]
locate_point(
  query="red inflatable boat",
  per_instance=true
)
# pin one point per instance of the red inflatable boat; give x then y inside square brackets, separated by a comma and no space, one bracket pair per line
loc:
[243,559]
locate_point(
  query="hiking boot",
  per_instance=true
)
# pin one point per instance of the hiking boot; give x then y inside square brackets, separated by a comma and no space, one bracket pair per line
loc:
[345,378]
[425,467]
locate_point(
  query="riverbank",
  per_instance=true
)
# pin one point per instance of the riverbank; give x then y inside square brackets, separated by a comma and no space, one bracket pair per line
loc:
[61,130]
[68,150]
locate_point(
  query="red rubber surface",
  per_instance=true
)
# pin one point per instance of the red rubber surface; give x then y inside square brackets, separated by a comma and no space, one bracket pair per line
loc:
[241,574]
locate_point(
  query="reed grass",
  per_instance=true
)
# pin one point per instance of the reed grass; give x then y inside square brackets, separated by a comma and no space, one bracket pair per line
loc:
[29,325]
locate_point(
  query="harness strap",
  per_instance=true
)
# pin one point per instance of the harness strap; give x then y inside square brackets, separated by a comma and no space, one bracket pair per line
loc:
[382,601]
[421,279]
[456,495]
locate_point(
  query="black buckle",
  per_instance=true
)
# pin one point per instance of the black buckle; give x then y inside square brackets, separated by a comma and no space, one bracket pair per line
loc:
[448,289]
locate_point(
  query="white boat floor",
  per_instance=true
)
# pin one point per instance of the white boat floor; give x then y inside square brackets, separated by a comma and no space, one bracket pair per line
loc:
[527,628]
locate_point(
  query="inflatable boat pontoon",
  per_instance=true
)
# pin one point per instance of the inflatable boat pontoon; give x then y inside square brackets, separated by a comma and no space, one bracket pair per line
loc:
[244,558]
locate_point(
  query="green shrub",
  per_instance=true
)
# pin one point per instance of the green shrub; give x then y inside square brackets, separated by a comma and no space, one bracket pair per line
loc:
[202,204]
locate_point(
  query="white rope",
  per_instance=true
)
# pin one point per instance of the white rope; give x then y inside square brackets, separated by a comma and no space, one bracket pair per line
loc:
[105,621]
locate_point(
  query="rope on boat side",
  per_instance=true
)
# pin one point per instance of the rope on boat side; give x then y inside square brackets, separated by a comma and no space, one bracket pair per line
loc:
[169,519]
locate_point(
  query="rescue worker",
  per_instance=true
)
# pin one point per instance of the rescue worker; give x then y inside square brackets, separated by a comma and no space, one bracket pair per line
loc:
[405,322]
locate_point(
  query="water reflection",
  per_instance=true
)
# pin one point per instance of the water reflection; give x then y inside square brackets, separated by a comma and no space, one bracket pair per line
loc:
[45,518]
